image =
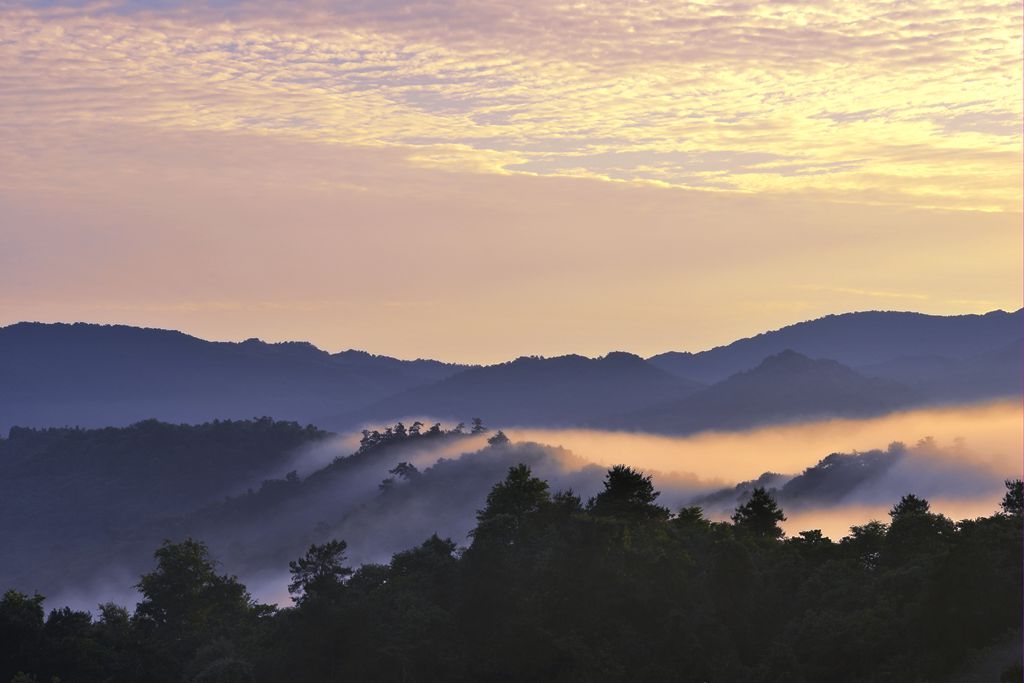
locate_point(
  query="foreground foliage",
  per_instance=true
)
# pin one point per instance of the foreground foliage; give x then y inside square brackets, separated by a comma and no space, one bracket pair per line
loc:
[555,589]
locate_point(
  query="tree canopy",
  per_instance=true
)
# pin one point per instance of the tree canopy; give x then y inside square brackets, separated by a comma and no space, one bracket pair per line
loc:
[554,590]
[760,515]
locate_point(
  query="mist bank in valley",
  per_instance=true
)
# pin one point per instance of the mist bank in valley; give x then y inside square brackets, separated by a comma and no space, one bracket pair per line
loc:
[388,488]
[551,587]
[843,487]
[991,432]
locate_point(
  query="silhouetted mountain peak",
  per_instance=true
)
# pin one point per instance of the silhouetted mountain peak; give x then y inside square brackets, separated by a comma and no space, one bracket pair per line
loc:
[791,364]
[353,354]
[622,357]
[297,349]
[789,370]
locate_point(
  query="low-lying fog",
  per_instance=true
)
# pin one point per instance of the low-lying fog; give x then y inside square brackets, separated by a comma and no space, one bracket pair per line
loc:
[992,431]
[974,449]
[960,470]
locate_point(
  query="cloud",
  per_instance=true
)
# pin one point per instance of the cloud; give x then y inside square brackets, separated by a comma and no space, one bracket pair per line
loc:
[580,178]
[657,92]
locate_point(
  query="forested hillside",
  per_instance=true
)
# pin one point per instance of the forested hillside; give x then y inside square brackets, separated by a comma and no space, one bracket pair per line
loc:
[72,499]
[82,509]
[554,588]
[785,387]
[78,506]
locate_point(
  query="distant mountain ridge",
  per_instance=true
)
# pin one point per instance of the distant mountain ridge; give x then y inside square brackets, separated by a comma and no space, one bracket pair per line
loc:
[114,375]
[540,391]
[784,387]
[997,372]
[854,339]
[97,375]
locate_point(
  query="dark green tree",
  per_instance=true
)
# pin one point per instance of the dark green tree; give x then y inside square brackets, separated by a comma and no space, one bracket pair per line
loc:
[692,519]
[865,543]
[70,650]
[406,471]
[320,573]
[1013,502]
[760,515]
[508,504]
[915,531]
[627,494]
[519,494]
[185,590]
[21,629]
[910,505]
[186,603]
[565,504]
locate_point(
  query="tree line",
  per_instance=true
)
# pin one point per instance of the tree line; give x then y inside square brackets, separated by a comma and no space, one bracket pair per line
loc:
[555,588]
[374,438]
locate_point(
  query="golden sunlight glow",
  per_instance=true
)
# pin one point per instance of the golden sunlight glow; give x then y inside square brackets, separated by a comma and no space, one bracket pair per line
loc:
[992,433]
[581,177]
[902,103]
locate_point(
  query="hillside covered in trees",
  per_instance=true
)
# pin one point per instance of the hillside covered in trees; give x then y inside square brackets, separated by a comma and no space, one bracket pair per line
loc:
[555,588]
[82,510]
[71,500]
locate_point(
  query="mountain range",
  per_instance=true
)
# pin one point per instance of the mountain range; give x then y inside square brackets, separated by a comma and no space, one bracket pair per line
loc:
[869,338]
[541,391]
[99,375]
[784,387]
[851,364]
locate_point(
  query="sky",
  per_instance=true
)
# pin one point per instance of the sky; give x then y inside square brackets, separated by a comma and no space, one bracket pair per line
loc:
[475,181]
